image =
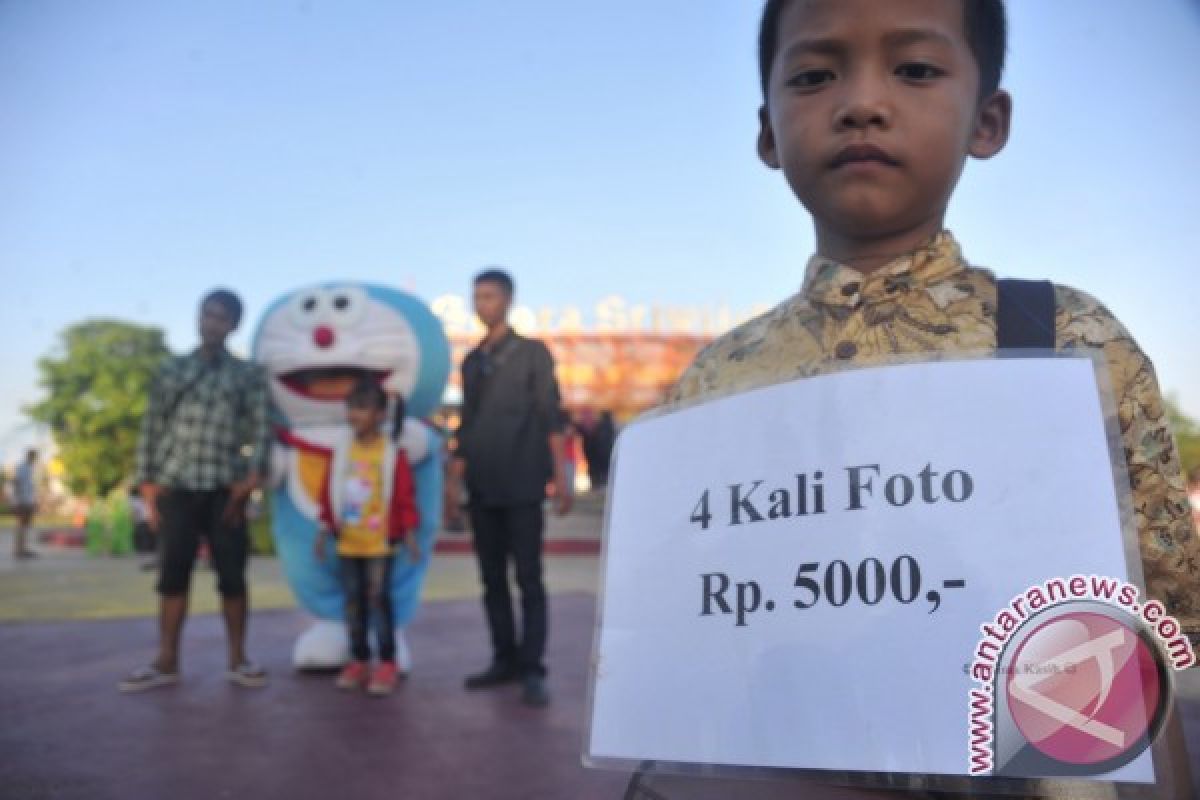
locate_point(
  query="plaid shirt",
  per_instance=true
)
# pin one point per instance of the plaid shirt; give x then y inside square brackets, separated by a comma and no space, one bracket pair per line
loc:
[206,424]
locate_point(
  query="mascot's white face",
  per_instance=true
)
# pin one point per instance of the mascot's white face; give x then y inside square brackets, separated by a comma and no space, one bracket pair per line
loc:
[319,342]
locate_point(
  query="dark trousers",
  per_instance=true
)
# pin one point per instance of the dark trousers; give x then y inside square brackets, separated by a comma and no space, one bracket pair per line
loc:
[186,516]
[367,583]
[513,532]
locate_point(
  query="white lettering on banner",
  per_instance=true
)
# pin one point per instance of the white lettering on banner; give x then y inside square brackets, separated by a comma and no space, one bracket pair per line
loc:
[610,315]
[796,576]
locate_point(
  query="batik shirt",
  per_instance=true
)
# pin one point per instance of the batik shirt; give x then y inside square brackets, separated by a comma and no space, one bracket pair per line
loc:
[932,301]
[205,424]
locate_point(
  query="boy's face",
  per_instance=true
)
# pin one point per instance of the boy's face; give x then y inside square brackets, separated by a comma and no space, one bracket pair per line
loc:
[364,418]
[872,109]
[491,302]
[216,323]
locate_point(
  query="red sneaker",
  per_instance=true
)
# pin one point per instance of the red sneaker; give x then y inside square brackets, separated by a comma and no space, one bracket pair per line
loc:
[383,679]
[352,676]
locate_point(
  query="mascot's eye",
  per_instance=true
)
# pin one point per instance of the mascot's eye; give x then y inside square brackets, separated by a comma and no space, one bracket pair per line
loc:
[341,306]
[313,307]
[349,305]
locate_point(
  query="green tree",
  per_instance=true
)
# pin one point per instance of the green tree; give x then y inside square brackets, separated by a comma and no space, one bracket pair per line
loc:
[96,388]
[1187,435]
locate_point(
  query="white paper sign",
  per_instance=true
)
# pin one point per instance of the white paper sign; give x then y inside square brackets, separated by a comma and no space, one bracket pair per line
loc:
[816,503]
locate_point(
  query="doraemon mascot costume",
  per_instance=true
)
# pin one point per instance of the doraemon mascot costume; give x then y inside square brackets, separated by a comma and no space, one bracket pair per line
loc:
[315,344]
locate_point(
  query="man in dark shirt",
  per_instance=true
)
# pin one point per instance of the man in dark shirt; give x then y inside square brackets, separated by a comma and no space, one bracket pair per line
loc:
[510,447]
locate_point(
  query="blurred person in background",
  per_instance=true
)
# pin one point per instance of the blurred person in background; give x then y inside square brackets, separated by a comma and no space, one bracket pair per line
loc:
[25,504]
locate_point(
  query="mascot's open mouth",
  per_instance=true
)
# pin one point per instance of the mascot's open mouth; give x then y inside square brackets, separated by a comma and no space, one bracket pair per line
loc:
[330,384]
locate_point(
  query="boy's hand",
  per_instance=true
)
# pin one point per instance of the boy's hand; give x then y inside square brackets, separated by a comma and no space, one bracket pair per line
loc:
[239,493]
[149,493]
[563,498]
[456,476]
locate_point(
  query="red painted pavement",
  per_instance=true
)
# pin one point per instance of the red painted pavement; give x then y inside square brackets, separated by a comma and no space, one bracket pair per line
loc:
[65,731]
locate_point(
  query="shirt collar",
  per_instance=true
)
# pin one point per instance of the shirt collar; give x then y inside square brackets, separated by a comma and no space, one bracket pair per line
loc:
[829,283]
[501,344]
[197,356]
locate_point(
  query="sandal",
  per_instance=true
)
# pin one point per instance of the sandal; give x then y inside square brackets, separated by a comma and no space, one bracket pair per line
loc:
[144,678]
[247,675]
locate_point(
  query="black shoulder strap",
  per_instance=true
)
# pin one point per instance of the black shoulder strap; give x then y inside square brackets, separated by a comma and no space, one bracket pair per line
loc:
[169,411]
[1025,314]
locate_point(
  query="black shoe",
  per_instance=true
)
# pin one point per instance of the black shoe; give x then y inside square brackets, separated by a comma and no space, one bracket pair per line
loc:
[495,675]
[533,692]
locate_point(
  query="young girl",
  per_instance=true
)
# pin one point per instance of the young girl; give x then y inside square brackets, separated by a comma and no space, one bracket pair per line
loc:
[367,505]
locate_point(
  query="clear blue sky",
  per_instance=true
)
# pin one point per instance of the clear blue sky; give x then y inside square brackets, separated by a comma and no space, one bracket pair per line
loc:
[150,150]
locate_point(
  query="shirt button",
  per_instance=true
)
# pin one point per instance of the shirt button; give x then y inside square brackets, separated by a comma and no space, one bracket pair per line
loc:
[846,350]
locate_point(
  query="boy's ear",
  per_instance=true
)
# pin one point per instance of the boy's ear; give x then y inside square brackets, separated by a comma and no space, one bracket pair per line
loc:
[992,125]
[766,139]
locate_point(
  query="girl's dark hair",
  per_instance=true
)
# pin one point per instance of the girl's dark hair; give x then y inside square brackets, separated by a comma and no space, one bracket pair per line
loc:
[986,29]
[398,414]
[367,393]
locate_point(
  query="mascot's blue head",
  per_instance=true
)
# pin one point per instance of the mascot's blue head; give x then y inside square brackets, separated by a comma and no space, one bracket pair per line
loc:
[316,343]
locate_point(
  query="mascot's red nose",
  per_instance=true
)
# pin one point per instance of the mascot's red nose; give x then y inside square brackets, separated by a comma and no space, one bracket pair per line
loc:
[323,336]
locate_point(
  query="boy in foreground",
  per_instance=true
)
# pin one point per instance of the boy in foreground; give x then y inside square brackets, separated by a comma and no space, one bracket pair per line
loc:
[870,111]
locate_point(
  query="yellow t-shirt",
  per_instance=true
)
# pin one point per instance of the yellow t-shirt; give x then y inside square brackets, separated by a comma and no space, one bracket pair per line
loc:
[363,524]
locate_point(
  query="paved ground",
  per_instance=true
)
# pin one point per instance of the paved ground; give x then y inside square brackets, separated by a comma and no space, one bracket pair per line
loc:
[66,733]
[70,626]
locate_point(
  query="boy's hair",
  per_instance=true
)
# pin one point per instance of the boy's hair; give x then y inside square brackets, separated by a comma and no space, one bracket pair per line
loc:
[498,277]
[227,300]
[367,393]
[986,28]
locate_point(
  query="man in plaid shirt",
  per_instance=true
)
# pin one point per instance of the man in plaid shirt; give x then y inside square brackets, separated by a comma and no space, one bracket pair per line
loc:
[202,451]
